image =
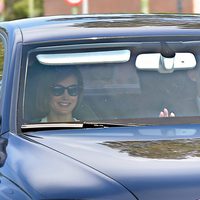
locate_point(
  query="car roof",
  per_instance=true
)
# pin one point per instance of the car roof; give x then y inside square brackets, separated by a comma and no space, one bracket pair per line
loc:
[69,27]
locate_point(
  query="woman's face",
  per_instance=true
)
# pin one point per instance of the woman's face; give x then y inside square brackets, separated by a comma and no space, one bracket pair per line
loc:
[64,96]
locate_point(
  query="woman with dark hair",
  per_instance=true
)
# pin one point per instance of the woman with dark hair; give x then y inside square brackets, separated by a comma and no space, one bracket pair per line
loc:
[59,93]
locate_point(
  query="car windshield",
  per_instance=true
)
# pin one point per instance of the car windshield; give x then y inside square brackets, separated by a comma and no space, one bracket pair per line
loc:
[123,81]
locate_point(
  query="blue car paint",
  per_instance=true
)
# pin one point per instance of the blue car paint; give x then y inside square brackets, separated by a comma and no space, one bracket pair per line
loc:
[80,164]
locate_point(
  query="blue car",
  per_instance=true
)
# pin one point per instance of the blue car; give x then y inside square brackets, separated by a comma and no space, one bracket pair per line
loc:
[100,107]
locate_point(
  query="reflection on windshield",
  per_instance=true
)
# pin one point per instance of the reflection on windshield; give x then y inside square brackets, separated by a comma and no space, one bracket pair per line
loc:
[166,149]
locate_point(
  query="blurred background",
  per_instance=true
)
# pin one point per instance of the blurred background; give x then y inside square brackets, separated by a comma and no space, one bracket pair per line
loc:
[17,9]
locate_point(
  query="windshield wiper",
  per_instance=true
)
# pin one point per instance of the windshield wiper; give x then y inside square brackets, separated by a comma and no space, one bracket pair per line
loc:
[50,126]
[87,124]
[74,125]
[112,123]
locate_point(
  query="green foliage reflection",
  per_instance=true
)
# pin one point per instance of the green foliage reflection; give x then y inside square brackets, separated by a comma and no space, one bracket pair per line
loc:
[166,149]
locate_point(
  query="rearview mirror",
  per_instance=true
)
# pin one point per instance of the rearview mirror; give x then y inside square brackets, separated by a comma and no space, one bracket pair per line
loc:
[155,61]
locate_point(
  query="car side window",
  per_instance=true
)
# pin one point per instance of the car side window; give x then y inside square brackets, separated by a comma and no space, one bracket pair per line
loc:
[2,53]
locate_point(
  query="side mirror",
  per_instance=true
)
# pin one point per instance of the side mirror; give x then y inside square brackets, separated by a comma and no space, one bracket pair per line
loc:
[3,154]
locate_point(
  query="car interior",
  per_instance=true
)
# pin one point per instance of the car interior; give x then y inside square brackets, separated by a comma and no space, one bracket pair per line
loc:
[122,90]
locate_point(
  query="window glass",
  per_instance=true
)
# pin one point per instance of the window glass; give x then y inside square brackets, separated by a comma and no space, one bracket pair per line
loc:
[59,89]
[2,51]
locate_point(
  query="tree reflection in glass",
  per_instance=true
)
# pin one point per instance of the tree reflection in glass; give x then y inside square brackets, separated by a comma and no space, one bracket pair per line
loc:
[166,149]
